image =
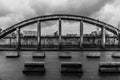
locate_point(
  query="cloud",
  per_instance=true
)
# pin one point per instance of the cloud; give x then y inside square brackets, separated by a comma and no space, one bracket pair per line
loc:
[110,13]
[13,11]
[75,7]
[16,11]
[79,7]
[3,9]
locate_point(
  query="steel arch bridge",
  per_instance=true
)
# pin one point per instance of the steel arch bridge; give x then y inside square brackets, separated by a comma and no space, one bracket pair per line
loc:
[60,17]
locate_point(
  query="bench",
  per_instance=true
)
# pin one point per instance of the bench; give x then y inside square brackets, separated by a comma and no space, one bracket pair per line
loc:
[116,55]
[109,67]
[93,55]
[71,67]
[34,67]
[39,55]
[64,55]
[12,55]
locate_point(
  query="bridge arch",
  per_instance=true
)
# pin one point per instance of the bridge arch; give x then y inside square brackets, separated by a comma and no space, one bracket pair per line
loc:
[57,17]
[81,19]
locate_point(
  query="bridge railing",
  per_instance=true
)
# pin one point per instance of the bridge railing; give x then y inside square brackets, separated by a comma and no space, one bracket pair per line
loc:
[52,42]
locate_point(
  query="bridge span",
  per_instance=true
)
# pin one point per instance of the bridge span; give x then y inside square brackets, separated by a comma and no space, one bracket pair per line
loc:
[59,17]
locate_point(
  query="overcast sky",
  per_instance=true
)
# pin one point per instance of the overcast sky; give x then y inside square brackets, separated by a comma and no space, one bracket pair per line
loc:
[13,11]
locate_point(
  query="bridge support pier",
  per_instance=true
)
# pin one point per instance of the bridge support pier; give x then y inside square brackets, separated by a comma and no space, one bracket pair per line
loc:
[81,34]
[103,37]
[18,39]
[39,34]
[60,39]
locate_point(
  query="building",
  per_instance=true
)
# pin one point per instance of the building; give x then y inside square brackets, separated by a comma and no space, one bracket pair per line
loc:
[29,33]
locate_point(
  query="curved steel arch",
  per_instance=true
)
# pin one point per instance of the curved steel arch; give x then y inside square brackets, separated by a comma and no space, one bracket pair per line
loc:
[56,17]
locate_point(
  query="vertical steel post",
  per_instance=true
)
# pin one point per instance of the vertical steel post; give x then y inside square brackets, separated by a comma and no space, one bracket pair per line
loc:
[81,33]
[10,41]
[18,38]
[60,39]
[103,37]
[39,34]
[118,39]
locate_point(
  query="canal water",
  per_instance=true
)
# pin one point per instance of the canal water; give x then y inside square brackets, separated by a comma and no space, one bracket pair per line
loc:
[11,68]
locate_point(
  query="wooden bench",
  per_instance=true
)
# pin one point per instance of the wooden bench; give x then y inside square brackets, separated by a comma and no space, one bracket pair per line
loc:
[109,67]
[12,55]
[64,55]
[34,67]
[116,55]
[93,55]
[71,67]
[39,55]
